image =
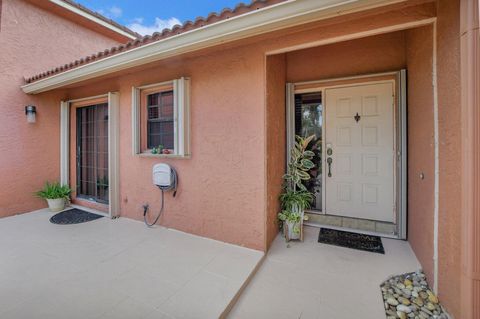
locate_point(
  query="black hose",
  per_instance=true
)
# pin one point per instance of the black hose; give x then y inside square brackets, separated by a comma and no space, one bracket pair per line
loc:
[145,209]
[163,189]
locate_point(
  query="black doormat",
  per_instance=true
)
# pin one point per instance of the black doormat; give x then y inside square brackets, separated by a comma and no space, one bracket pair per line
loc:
[73,216]
[351,240]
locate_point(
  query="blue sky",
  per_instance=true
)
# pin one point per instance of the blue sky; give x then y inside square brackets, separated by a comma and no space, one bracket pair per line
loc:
[148,16]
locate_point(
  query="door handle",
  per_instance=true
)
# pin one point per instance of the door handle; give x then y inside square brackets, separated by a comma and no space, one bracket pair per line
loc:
[329,162]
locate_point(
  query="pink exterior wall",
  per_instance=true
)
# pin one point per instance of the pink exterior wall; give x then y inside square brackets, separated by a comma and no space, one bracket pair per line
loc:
[369,55]
[275,73]
[450,129]
[421,151]
[31,41]
[470,174]
[221,186]
[421,146]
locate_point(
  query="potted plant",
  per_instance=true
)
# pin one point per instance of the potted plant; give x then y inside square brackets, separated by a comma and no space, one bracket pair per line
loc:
[55,194]
[296,198]
[157,150]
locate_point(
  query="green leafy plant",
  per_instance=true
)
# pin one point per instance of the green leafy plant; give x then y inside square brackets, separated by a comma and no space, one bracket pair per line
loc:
[54,191]
[296,198]
[293,219]
[158,149]
[300,164]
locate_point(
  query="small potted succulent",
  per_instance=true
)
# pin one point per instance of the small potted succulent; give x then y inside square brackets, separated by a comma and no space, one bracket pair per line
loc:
[158,149]
[296,197]
[56,195]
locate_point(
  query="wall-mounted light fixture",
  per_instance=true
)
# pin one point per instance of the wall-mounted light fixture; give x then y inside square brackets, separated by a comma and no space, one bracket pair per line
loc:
[31,112]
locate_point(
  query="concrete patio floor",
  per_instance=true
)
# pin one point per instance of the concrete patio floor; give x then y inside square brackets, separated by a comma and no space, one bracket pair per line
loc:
[312,280]
[121,269]
[114,269]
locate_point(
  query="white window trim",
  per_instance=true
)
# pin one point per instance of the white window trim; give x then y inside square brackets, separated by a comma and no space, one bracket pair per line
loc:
[113,154]
[181,106]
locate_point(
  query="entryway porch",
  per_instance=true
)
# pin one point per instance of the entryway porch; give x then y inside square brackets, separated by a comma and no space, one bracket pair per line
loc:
[370,100]
[374,144]
[310,280]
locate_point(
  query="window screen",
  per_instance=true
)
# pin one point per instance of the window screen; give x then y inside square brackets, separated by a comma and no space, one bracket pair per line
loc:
[160,127]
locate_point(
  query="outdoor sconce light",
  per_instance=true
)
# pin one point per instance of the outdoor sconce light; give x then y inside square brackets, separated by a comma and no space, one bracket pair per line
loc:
[31,112]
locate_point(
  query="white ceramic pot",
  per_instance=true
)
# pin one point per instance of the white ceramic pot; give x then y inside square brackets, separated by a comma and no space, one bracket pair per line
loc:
[292,234]
[294,228]
[56,204]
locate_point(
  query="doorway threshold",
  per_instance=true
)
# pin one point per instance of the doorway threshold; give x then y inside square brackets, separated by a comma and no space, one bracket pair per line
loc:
[88,209]
[360,225]
[353,230]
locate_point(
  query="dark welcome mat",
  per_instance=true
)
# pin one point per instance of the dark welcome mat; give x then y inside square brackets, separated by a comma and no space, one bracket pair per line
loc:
[73,216]
[351,240]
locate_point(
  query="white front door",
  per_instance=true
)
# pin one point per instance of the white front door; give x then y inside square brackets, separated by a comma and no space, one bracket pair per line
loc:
[359,143]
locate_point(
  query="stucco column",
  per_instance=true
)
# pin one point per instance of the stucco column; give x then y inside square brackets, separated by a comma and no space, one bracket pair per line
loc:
[470,68]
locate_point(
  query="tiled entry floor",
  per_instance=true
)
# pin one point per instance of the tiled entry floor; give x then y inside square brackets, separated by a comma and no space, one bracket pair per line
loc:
[317,281]
[114,269]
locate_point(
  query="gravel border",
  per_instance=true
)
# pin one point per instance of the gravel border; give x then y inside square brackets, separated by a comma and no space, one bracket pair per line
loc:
[409,296]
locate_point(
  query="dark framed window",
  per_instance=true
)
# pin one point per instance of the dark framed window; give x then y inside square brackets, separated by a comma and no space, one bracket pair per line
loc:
[309,121]
[160,120]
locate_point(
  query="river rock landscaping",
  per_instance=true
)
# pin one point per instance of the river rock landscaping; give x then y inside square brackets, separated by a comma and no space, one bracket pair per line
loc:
[408,296]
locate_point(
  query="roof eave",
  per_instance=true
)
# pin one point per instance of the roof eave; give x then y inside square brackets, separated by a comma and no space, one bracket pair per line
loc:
[93,18]
[282,15]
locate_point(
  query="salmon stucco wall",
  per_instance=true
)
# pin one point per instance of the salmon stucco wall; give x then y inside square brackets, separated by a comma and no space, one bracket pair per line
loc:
[368,55]
[221,191]
[221,187]
[276,139]
[421,146]
[33,40]
[449,117]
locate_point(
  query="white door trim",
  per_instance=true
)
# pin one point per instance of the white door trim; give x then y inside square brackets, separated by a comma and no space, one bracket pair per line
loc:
[113,147]
[64,142]
[400,132]
[437,161]
[113,154]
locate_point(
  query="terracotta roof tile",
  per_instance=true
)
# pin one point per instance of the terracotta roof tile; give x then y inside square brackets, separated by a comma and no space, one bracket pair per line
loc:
[198,23]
